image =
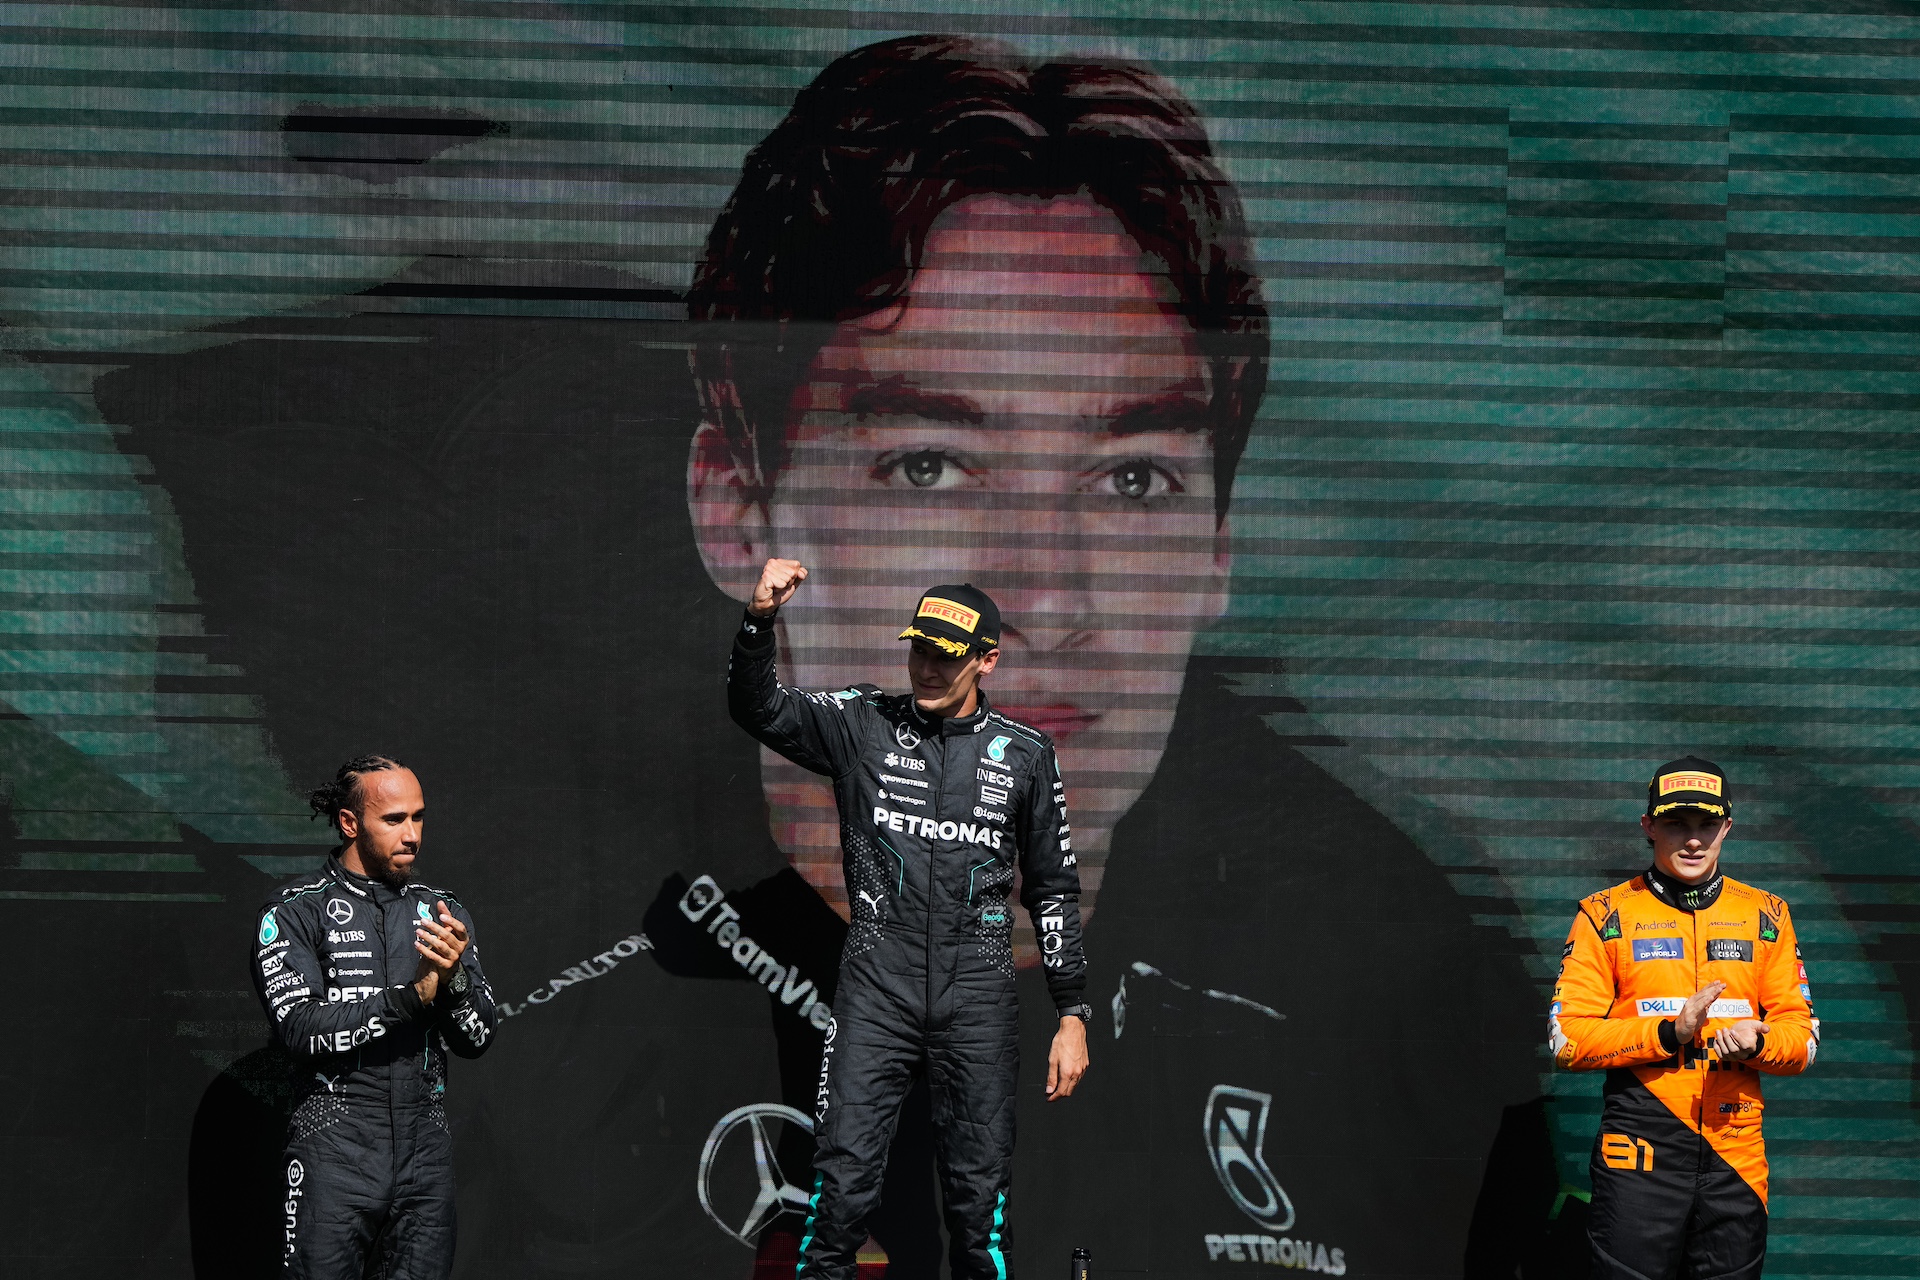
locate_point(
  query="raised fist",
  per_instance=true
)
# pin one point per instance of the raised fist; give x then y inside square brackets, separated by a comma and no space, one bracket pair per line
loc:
[778,581]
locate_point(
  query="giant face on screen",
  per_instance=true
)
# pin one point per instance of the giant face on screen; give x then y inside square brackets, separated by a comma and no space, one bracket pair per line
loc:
[966,318]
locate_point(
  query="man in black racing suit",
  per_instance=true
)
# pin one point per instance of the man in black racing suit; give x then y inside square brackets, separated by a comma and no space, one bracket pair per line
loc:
[369,980]
[940,798]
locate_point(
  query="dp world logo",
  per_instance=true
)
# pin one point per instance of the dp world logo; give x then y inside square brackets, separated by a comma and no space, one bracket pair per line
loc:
[742,1197]
[339,910]
[1236,1127]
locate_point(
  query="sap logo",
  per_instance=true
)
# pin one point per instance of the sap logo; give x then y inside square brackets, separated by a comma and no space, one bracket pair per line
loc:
[1660,1006]
[997,749]
[928,829]
[997,779]
[1641,926]
[910,763]
[1659,949]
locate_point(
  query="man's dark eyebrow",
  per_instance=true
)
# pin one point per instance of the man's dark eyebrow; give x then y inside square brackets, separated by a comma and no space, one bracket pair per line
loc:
[892,397]
[1166,413]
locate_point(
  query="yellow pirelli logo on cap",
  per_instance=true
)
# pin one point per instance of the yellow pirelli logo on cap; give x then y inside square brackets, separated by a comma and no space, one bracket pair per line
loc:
[1673,782]
[947,611]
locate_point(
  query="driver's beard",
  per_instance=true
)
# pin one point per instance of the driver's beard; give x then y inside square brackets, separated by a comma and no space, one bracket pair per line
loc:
[383,870]
[393,877]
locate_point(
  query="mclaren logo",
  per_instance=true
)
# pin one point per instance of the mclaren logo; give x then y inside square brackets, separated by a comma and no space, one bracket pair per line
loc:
[741,1198]
[1236,1128]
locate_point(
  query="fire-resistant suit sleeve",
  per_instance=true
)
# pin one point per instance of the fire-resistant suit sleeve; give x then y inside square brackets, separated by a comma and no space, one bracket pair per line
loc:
[290,981]
[809,729]
[1050,882]
[466,1022]
[1786,1004]
[1580,1034]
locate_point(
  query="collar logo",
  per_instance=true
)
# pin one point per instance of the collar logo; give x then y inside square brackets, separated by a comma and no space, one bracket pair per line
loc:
[339,910]
[947,611]
[997,749]
[722,1161]
[1236,1130]
[1672,782]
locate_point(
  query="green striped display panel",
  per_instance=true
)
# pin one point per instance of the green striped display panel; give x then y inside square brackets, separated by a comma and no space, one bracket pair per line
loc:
[1587,444]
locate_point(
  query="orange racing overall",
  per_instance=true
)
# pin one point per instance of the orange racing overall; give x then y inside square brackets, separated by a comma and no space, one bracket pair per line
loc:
[1679,1167]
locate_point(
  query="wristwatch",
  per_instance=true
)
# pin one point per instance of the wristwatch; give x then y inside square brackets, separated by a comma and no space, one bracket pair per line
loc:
[1083,1011]
[461,981]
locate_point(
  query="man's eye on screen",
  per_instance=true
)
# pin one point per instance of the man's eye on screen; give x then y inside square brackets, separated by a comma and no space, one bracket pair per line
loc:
[1139,479]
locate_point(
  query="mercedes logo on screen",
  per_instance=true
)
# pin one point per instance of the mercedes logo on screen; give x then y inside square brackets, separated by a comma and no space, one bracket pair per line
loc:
[1236,1128]
[741,1198]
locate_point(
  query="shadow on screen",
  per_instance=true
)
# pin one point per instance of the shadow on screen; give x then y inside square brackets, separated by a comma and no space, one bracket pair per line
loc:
[233,1169]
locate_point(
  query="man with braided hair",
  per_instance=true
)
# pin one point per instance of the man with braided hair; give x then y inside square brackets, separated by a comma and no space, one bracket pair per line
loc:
[370,978]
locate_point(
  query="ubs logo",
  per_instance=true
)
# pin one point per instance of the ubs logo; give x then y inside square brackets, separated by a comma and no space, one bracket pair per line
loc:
[1236,1129]
[723,1161]
[339,910]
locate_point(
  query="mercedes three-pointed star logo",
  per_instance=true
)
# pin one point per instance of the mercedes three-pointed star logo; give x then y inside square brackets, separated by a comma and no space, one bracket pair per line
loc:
[775,1194]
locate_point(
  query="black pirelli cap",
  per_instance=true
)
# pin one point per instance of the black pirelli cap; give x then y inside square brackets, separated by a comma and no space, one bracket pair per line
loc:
[1689,783]
[958,620]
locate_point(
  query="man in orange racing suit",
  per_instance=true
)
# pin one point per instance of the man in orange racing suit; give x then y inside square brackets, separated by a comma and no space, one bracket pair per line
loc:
[1685,987]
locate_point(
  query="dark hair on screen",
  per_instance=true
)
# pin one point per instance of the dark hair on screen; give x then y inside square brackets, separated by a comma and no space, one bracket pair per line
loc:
[328,799]
[833,208]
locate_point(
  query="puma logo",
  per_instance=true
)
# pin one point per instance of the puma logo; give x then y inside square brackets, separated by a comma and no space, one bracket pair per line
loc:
[872,900]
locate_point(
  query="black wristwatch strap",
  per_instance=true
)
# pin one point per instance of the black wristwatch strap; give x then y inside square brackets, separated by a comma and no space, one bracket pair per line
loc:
[1082,1011]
